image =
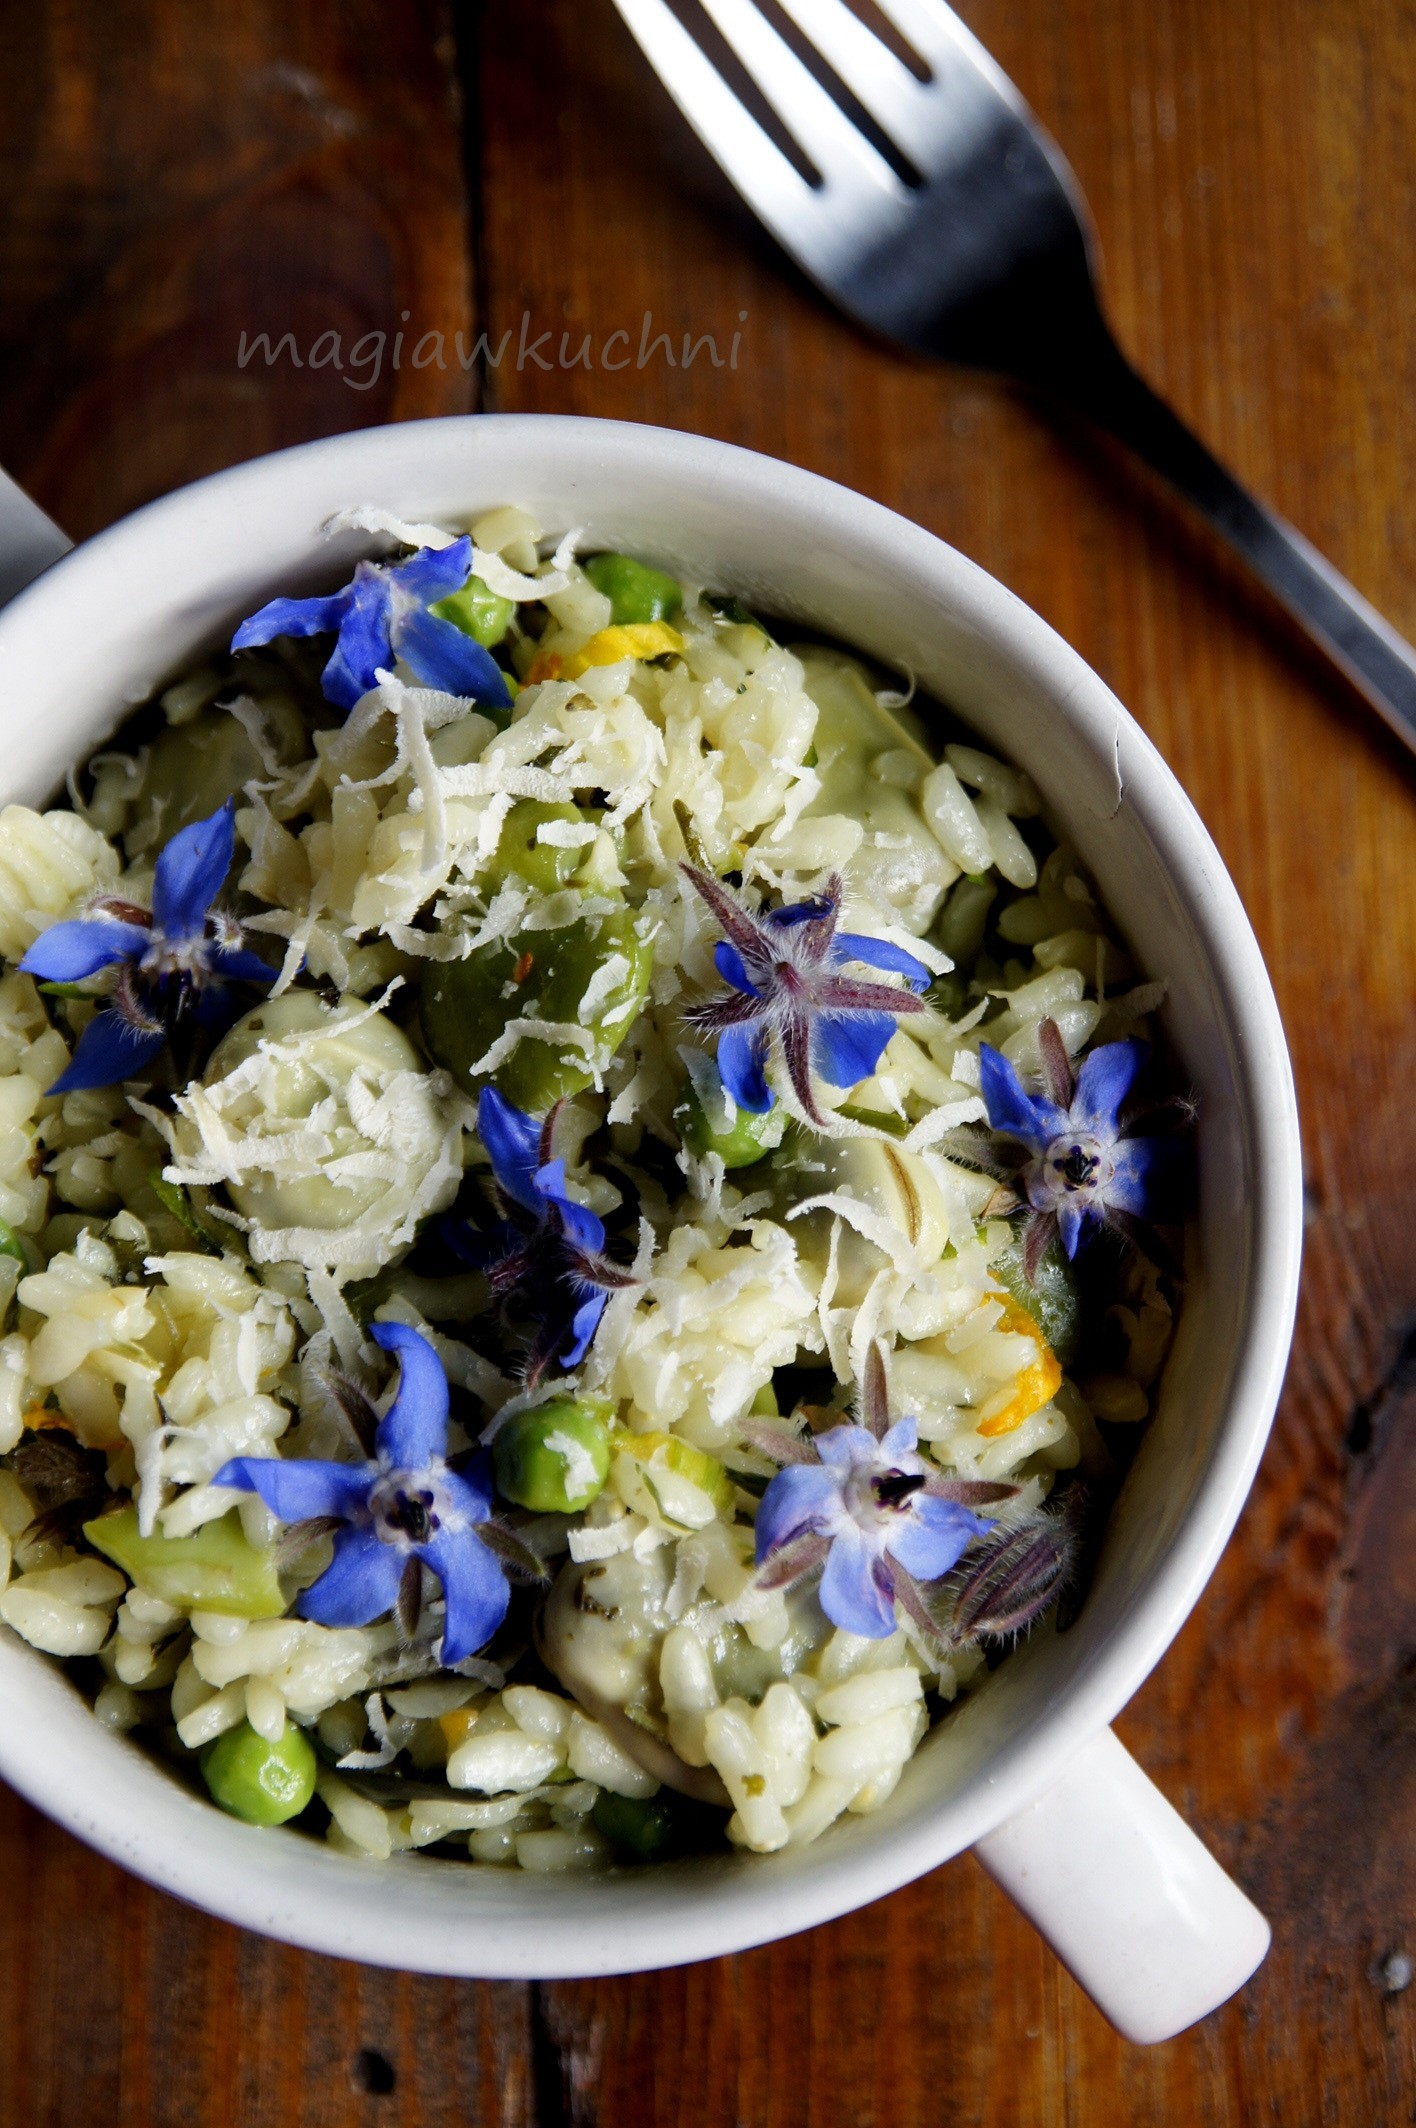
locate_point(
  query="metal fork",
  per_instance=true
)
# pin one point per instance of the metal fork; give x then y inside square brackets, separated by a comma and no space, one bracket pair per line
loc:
[986,258]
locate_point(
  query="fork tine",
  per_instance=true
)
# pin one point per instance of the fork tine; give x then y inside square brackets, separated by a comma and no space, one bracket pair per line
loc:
[906,110]
[847,161]
[942,40]
[755,164]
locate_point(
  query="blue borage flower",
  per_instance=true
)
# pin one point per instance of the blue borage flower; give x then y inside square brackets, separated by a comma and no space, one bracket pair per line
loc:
[173,960]
[383,613]
[547,1259]
[784,967]
[1084,1172]
[862,1505]
[401,1511]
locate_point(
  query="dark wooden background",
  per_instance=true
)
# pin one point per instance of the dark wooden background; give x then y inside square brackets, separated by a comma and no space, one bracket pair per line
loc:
[174,176]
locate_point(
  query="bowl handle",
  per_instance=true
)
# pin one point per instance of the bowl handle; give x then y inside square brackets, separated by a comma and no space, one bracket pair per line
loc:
[1132,1903]
[29,541]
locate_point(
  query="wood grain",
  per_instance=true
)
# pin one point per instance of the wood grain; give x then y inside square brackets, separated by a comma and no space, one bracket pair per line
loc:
[172,178]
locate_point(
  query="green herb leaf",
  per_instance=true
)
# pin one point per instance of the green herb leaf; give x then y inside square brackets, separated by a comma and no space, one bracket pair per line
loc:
[175,1200]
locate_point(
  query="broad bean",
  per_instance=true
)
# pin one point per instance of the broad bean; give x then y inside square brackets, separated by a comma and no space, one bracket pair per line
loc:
[546,866]
[479,612]
[193,768]
[544,975]
[373,1047]
[635,591]
[666,1459]
[215,1569]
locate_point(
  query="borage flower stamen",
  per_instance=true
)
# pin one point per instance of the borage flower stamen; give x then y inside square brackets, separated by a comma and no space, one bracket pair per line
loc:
[784,968]
[174,960]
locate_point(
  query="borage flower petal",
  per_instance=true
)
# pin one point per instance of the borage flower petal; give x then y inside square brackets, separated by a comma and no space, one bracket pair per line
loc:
[190,873]
[71,952]
[1103,1084]
[298,1490]
[172,970]
[359,1584]
[848,1047]
[801,1498]
[402,1508]
[442,656]
[742,1067]
[364,647]
[857,1591]
[382,613]
[414,1428]
[932,1540]
[110,1050]
[1011,1108]
[475,1592]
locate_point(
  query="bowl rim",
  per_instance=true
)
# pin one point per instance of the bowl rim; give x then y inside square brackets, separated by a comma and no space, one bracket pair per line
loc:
[316,1898]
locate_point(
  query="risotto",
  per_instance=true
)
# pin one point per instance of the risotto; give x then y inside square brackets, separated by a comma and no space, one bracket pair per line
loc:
[587,1214]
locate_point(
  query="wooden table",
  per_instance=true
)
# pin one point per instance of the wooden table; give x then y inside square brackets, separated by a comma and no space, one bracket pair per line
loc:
[176,177]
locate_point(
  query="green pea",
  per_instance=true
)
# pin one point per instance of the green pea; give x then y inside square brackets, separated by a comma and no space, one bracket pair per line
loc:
[748,1138]
[543,865]
[465,1005]
[264,1783]
[963,920]
[635,592]
[483,614]
[215,1569]
[640,1826]
[1053,1298]
[556,1458]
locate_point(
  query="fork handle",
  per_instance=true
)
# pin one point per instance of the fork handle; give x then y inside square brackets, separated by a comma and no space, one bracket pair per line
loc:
[29,541]
[1380,663]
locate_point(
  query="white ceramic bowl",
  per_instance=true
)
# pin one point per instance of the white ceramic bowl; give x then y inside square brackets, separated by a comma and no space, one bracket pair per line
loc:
[1025,1765]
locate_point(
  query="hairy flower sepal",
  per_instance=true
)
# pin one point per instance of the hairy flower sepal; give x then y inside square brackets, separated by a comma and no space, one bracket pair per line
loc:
[1084,1171]
[785,971]
[1006,1584]
[860,1503]
[174,961]
[401,1510]
[384,613]
[546,1260]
